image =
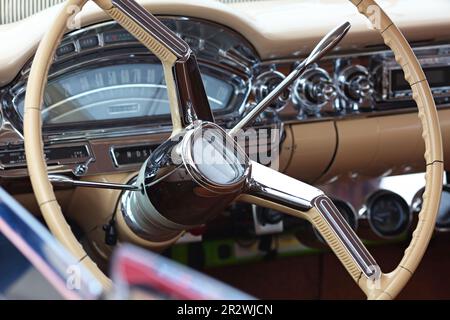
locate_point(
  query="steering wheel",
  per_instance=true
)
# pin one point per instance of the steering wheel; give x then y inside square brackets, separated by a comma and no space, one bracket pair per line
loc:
[206,189]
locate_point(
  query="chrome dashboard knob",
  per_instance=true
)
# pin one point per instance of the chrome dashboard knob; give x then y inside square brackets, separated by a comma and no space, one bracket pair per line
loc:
[355,83]
[314,90]
[323,91]
[265,83]
[360,87]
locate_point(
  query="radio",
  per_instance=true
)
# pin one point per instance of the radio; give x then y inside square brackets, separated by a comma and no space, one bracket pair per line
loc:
[435,62]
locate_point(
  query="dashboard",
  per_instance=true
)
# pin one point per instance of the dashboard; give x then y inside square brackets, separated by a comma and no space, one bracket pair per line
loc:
[103,77]
[103,84]
[105,110]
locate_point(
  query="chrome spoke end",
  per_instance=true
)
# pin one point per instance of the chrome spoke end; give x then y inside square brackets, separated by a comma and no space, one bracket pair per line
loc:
[290,196]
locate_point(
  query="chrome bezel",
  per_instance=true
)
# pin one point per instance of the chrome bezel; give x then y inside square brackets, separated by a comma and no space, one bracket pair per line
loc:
[347,72]
[369,214]
[433,56]
[260,86]
[131,165]
[60,162]
[298,91]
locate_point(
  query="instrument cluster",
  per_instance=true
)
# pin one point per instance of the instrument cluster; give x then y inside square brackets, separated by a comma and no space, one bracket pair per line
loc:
[102,77]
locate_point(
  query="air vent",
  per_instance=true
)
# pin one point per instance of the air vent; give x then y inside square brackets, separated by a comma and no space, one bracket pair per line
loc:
[16,10]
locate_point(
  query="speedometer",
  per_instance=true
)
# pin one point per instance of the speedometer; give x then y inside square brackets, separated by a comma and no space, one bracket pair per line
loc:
[103,82]
[111,92]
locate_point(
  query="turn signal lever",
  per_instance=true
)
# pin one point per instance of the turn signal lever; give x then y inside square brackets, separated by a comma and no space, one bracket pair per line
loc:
[63,181]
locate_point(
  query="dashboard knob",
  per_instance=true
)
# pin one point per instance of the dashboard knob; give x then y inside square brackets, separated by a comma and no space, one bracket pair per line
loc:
[265,83]
[323,91]
[314,90]
[355,83]
[360,88]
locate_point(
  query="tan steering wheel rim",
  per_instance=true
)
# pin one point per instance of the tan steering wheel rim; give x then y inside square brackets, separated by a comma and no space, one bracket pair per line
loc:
[387,287]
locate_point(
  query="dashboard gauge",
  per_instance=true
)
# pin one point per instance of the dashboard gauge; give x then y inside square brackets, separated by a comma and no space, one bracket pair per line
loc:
[443,217]
[265,83]
[348,213]
[112,92]
[388,214]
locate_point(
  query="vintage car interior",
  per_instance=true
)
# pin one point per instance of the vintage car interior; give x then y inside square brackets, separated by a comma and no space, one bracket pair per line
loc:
[329,119]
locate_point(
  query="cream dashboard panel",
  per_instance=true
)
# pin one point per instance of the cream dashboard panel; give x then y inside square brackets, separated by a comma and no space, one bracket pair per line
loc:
[379,146]
[366,147]
[294,26]
[278,28]
[313,147]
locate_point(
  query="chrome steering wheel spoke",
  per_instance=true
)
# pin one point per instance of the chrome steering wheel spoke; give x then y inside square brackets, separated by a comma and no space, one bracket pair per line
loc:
[272,186]
[186,92]
[269,188]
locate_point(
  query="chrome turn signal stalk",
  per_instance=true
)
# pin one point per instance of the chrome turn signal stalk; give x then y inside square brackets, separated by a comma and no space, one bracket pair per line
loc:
[64,181]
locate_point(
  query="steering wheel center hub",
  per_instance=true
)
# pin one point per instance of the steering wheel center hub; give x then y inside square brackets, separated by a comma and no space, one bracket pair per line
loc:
[203,166]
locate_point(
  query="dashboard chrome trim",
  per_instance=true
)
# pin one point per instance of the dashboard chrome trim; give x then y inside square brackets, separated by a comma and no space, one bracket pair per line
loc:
[132,165]
[90,157]
[377,103]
